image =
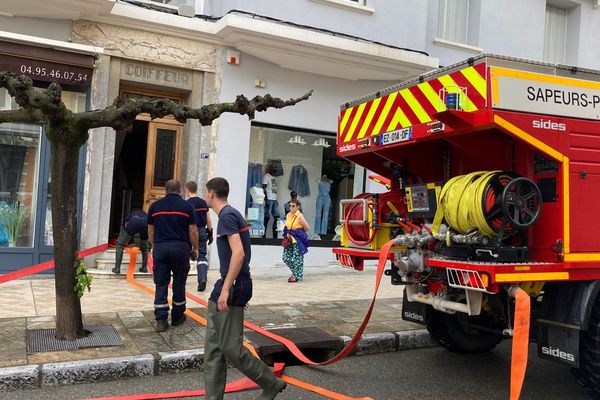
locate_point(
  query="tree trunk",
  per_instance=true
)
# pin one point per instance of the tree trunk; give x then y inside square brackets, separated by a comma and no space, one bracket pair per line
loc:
[64,160]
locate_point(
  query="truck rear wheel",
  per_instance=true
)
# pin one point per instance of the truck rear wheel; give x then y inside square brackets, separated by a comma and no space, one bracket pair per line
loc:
[461,333]
[588,373]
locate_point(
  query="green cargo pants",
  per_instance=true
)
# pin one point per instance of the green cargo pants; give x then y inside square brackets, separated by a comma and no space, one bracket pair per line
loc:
[223,342]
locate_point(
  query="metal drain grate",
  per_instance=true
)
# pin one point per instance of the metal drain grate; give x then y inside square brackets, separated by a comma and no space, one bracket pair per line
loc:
[42,340]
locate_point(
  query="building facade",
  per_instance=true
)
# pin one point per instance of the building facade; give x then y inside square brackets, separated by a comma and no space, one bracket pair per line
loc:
[198,52]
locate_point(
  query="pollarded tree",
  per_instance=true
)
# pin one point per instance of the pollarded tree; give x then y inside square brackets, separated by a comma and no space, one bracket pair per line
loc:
[67,132]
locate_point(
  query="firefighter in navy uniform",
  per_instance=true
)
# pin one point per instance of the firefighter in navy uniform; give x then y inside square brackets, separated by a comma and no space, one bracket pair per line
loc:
[172,232]
[231,293]
[134,227]
[205,231]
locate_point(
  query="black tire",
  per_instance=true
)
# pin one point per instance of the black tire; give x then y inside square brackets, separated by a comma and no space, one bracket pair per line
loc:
[588,373]
[452,331]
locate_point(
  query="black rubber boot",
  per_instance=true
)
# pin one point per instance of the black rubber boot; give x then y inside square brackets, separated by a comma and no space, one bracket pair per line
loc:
[270,384]
[161,325]
[179,321]
[214,386]
[202,286]
[116,270]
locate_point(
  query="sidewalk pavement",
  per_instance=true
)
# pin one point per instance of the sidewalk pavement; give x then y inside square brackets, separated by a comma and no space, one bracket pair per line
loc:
[331,298]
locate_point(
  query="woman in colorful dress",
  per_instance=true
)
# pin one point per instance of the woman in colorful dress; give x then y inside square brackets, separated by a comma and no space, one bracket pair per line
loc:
[295,232]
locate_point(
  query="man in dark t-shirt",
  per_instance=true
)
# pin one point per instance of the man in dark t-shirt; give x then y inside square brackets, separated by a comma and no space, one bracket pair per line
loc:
[173,233]
[134,227]
[231,293]
[205,231]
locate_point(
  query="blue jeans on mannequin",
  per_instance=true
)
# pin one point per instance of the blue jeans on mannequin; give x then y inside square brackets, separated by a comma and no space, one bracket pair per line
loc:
[322,213]
[272,210]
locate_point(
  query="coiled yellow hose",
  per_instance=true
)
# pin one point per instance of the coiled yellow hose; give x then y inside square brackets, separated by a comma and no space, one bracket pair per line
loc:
[460,203]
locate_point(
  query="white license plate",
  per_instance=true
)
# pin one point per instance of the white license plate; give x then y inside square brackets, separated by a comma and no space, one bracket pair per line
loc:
[401,135]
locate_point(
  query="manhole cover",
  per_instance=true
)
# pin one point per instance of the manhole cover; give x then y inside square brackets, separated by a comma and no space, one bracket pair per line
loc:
[41,340]
[315,343]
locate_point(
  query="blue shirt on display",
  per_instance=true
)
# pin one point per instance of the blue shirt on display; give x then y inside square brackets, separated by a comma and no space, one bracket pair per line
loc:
[171,217]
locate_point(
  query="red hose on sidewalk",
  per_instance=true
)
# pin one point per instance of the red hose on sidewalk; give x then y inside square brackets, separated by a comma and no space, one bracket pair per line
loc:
[246,384]
[34,269]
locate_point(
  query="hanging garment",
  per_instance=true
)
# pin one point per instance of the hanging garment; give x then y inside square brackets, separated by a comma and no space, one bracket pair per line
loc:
[299,181]
[276,167]
[323,204]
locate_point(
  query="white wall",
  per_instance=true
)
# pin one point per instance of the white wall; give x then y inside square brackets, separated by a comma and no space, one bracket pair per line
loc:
[395,22]
[320,112]
[57,29]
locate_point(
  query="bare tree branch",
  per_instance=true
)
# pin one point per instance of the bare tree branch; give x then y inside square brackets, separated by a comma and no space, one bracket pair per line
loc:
[21,115]
[122,113]
[48,100]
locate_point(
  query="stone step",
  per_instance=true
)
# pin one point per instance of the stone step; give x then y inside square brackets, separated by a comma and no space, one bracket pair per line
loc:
[108,274]
[107,264]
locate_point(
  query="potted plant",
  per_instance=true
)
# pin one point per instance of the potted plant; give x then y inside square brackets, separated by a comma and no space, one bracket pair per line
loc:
[12,219]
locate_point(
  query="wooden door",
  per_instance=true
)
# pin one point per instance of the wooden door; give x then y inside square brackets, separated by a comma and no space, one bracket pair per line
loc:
[163,158]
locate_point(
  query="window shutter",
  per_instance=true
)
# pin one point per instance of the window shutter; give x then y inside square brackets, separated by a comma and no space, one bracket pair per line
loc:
[555,35]
[453,20]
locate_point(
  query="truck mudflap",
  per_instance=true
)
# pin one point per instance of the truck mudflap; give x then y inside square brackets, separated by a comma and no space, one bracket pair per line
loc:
[564,314]
[413,311]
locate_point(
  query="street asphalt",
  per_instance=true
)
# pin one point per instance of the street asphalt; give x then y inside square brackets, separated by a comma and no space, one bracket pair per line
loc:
[429,373]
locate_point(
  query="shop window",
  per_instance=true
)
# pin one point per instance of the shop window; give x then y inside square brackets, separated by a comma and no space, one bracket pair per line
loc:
[20,152]
[19,159]
[453,20]
[555,35]
[76,103]
[282,161]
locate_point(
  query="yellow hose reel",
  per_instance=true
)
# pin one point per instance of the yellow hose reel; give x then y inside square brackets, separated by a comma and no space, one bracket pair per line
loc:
[488,201]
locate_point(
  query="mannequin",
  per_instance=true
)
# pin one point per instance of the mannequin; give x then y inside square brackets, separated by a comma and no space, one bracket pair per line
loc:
[257,227]
[323,204]
[269,185]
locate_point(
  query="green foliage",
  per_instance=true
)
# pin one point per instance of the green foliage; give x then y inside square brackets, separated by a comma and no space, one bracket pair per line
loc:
[12,218]
[82,279]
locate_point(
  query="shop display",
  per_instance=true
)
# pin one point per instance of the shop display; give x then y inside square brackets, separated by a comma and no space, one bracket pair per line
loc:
[255,175]
[269,184]
[323,205]
[277,163]
[299,181]
[256,213]
[276,167]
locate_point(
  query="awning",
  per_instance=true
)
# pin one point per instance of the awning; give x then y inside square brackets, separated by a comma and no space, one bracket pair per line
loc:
[47,64]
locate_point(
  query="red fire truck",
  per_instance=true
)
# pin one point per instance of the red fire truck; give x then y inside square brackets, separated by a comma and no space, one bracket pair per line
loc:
[493,170]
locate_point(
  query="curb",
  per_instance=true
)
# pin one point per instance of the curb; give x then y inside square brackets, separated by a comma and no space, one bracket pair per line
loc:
[172,362]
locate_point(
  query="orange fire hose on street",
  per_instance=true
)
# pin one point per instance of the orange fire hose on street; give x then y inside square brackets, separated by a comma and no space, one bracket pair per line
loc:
[245,383]
[519,346]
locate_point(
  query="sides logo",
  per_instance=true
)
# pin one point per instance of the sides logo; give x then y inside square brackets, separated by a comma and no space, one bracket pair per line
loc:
[549,124]
[558,353]
[347,147]
[413,316]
